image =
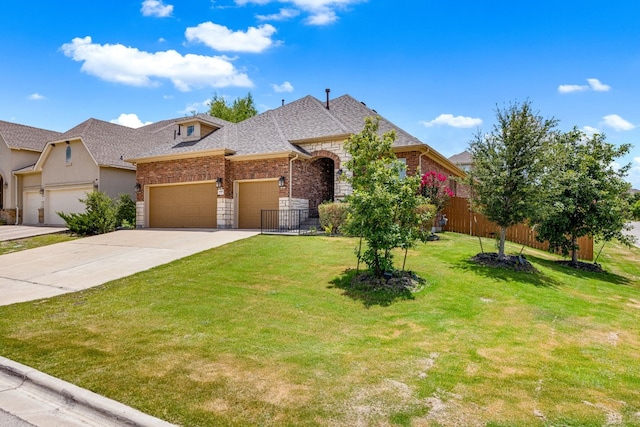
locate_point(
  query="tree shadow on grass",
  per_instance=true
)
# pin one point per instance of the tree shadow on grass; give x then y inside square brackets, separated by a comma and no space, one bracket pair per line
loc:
[538,278]
[369,296]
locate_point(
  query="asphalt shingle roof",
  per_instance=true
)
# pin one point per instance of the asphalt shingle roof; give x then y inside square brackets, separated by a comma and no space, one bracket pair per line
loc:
[463,158]
[26,137]
[109,143]
[279,130]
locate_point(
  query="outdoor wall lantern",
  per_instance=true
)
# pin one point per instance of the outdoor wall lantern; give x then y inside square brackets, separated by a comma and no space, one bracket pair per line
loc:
[281,182]
[42,191]
[6,185]
[218,182]
[137,187]
[95,184]
[339,173]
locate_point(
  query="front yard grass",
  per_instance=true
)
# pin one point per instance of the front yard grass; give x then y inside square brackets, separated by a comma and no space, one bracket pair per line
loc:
[264,332]
[34,242]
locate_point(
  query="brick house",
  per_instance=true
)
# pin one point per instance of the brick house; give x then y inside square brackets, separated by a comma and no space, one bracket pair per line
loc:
[204,172]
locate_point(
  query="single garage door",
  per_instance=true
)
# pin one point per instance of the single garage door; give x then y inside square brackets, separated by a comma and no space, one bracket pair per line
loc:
[64,200]
[253,197]
[31,203]
[183,206]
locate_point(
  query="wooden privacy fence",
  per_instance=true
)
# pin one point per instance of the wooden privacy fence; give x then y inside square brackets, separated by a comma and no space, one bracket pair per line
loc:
[461,220]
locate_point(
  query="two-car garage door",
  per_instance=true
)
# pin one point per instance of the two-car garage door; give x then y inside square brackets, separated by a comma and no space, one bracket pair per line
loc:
[58,200]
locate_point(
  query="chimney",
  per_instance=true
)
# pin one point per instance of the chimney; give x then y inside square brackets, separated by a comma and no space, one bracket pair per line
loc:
[283,102]
[327,91]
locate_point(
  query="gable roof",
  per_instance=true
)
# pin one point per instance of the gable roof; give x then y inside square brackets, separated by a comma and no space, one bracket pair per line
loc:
[463,158]
[108,143]
[23,137]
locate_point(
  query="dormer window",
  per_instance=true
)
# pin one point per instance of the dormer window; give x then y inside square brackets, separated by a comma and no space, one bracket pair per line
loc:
[190,130]
[68,155]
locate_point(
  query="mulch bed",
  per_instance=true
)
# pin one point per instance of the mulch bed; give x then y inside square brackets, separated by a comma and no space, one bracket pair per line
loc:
[398,281]
[508,262]
[584,266]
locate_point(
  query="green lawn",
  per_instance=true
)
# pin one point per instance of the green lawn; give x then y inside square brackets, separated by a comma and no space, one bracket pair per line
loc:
[265,332]
[34,242]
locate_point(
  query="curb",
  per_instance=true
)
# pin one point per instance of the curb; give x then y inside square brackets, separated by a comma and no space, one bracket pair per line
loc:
[86,403]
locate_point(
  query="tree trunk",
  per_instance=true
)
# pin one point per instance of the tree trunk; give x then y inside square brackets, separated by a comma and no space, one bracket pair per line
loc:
[574,250]
[503,236]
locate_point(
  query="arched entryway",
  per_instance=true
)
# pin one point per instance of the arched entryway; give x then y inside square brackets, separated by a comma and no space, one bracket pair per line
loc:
[325,165]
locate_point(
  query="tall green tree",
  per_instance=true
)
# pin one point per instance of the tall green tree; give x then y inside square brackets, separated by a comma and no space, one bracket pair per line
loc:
[383,206]
[241,108]
[508,166]
[585,193]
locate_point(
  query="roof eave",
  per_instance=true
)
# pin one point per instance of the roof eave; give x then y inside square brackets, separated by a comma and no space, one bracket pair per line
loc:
[183,155]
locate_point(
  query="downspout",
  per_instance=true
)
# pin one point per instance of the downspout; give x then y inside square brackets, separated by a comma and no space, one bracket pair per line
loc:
[15,177]
[420,160]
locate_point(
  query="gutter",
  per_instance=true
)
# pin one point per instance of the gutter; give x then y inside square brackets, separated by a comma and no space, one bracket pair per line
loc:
[420,159]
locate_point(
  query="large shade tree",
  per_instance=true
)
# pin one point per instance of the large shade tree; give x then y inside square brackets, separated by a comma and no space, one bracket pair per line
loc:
[585,193]
[241,108]
[508,165]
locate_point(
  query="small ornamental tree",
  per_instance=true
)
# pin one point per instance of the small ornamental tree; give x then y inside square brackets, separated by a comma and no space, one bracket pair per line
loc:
[586,194]
[433,186]
[508,165]
[383,206]
[99,216]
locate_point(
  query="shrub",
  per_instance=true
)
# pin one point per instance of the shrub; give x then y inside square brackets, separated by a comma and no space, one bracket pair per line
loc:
[125,211]
[427,214]
[99,216]
[333,216]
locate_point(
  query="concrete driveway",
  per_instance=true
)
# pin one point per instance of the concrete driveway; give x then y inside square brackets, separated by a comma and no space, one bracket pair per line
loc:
[84,263]
[14,232]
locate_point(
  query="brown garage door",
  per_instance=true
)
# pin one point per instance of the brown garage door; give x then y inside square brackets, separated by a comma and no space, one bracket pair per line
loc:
[252,198]
[183,206]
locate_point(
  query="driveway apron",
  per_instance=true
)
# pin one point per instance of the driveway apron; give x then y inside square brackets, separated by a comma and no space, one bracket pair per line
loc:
[84,263]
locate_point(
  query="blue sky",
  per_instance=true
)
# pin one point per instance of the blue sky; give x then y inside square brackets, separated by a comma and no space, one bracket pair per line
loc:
[436,69]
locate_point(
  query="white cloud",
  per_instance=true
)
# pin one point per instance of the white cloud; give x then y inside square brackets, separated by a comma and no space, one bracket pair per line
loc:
[282,15]
[450,120]
[284,87]
[219,37]
[594,84]
[130,66]
[322,12]
[198,107]
[590,131]
[36,97]
[572,88]
[156,8]
[597,86]
[130,120]
[616,122]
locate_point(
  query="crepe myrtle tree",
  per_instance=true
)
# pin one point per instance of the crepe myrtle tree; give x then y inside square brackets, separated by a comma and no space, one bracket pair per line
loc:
[585,193]
[382,206]
[507,166]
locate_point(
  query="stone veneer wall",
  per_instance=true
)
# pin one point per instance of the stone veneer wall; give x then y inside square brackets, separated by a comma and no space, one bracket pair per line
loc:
[225,212]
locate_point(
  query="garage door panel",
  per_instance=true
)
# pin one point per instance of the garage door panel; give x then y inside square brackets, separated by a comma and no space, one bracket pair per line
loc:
[253,197]
[183,206]
[30,206]
[64,200]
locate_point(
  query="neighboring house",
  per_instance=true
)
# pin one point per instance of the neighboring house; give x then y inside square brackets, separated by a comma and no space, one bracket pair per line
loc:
[86,158]
[20,146]
[205,172]
[463,160]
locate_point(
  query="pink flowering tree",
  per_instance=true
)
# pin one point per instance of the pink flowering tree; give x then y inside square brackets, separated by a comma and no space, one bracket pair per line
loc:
[433,186]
